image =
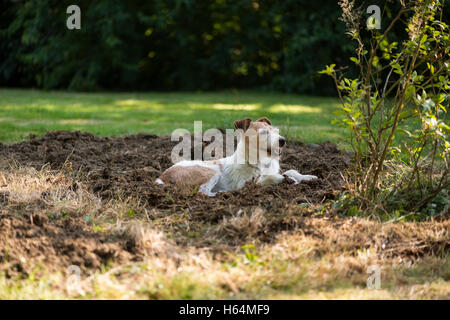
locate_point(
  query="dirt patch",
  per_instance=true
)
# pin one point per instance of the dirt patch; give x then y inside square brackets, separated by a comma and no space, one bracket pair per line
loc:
[131,164]
[30,241]
[128,166]
[119,168]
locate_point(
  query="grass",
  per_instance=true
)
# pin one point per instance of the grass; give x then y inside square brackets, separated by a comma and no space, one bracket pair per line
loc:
[150,280]
[299,117]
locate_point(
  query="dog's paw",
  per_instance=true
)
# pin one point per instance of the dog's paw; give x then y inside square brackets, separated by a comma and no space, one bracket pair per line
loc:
[207,193]
[308,177]
[297,177]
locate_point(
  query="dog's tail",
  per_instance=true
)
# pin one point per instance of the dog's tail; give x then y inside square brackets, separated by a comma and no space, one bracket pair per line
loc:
[159,181]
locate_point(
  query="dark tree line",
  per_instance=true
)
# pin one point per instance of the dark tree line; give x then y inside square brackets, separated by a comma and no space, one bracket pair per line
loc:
[172,44]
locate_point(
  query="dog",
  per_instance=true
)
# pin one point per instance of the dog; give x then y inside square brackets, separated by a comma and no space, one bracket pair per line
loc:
[257,156]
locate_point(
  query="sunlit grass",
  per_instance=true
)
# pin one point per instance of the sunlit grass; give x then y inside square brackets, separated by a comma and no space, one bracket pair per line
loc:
[24,112]
[236,107]
[294,109]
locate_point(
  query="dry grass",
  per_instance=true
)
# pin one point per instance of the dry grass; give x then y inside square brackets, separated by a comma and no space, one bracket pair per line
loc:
[28,189]
[323,257]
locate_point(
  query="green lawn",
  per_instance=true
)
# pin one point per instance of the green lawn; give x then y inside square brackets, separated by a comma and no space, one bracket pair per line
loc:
[299,117]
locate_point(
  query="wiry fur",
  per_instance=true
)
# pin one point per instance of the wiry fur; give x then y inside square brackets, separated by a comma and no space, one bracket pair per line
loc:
[231,173]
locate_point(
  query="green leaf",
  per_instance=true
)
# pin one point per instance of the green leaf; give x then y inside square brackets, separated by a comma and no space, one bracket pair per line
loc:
[328,70]
[355,60]
[375,61]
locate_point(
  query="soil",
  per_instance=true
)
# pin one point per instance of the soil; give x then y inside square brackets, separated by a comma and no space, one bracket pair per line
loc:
[131,164]
[128,166]
[32,241]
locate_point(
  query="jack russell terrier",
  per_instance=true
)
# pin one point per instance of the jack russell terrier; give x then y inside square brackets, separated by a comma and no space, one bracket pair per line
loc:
[257,156]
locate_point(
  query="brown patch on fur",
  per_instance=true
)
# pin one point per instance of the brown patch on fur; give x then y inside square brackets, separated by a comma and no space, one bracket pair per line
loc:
[242,124]
[190,176]
[264,119]
[257,125]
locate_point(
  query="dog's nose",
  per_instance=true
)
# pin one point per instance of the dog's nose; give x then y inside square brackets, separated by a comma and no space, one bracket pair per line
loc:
[282,141]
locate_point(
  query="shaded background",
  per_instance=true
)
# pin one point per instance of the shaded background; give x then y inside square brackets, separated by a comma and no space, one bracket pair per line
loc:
[173,45]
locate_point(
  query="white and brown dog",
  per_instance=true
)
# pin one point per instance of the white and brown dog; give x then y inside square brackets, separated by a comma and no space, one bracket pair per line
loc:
[257,157]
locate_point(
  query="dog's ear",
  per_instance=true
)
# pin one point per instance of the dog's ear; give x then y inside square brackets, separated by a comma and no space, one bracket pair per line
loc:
[242,124]
[264,119]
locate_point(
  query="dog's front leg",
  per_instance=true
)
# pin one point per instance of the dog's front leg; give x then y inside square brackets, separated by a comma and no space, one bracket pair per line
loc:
[297,177]
[270,173]
[208,187]
[270,179]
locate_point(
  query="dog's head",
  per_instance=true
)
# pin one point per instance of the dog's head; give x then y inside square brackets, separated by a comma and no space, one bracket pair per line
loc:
[262,140]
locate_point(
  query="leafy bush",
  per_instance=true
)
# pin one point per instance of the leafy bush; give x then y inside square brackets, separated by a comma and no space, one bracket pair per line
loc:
[396,111]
